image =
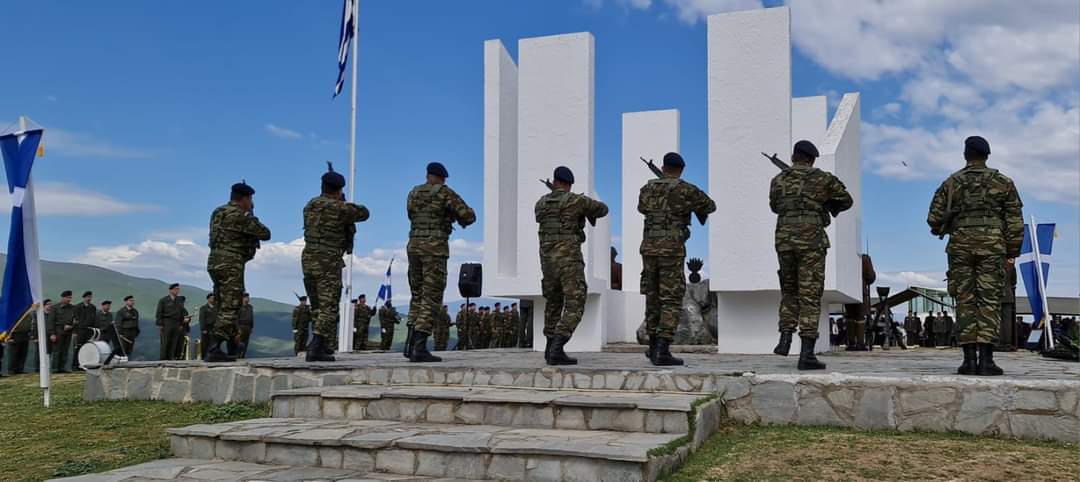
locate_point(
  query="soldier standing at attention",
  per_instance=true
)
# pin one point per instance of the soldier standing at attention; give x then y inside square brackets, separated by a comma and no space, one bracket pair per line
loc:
[85,319]
[235,234]
[362,323]
[561,215]
[20,342]
[803,197]
[170,316]
[511,329]
[498,331]
[329,227]
[127,319]
[301,321]
[246,322]
[207,312]
[433,208]
[980,209]
[61,324]
[442,329]
[462,330]
[667,204]
[388,317]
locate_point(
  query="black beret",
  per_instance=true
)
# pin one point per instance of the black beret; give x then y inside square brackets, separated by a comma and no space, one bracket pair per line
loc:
[332,179]
[304,298]
[242,189]
[247,295]
[87,293]
[47,301]
[65,293]
[977,144]
[673,159]
[174,286]
[106,302]
[358,297]
[209,295]
[437,169]
[182,298]
[806,147]
[564,174]
[129,297]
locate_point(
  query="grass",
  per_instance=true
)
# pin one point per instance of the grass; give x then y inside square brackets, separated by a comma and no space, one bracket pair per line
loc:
[754,452]
[75,437]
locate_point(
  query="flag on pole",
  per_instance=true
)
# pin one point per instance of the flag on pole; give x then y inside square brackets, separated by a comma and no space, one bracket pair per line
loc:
[1034,263]
[384,289]
[22,276]
[344,38]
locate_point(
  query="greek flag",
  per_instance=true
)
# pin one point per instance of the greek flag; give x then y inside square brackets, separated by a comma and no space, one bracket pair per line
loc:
[348,17]
[22,275]
[384,289]
[1034,264]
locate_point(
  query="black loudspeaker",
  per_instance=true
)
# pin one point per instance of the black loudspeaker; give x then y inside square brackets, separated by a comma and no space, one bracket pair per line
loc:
[471,280]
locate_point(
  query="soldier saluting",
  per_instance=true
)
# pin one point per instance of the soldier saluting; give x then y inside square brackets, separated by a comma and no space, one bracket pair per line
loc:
[980,209]
[561,215]
[667,203]
[329,226]
[803,197]
[235,234]
[433,208]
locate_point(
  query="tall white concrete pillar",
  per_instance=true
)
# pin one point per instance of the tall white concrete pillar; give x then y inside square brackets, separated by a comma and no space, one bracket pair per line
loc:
[500,163]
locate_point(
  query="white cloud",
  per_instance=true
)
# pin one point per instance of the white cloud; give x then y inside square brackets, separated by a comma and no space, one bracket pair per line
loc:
[687,11]
[78,144]
[50,98]
[903,279]
[283,132]
[60,199]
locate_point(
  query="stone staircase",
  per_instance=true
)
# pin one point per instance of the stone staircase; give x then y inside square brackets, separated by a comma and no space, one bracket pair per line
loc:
[439,432]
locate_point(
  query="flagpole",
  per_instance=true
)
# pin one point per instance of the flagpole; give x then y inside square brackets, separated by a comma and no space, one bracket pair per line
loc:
[345,342]
[44,360]
[1042,283]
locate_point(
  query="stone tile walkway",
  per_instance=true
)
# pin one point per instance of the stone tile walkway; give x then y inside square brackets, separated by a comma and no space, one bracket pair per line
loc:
[191,470]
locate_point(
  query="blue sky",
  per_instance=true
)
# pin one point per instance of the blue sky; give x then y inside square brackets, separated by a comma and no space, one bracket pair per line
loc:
[153,109]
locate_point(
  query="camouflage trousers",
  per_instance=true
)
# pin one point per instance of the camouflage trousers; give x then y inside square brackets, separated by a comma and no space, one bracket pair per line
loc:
[802,281]
[300,340]
[977,283]
[360,338]
[228,278]
[427,281]
[322,281]
[664,285]
[564,291]
[386,338]
[442,334]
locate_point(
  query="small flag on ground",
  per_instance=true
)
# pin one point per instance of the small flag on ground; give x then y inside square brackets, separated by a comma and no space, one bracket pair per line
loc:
[1035,276]
[344,39]
[384,289]
[22,275]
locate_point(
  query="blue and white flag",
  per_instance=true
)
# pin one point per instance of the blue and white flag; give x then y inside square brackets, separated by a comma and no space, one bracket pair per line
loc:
[384,289]
[348,18]
[1035,275]
[22,275]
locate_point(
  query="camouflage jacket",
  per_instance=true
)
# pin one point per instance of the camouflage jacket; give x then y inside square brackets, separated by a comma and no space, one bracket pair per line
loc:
[301,317]
[388,316]
[235,233]
[562,216]
[667,204]
[432,210]
[362,315]
[329,224]
[987,212]
[803,197]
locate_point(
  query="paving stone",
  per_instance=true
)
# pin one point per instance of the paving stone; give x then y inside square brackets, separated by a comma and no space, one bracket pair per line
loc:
[543,469]
[383,409]
[174,391]
[979,412]
[1048,427]
[307,407]
[210,385]
[499,414]
[409,410]
[334,408]
[138,385]
[289,454]
[601,418]
[1069,402]
[94,388]
[472,442]
[540,397]
[913,401]
[1032,400]
[262,389]
[330,457]
[425,393]
[202,447]
[309,473]
[502,379]
[180,446]
[359,460]
[281,407]
[116,384]
[614,381]
[732,388]
[814,409]
[243,388]
[570,418]
[506,467]
[466,466]
[314,436]
[375,440]
[470,413]
[774,402]
[440,412]
[676,422]
[629,421]
[431,464]
[534,416]
[396,461]
[654,422]
[875,409]
[597,400]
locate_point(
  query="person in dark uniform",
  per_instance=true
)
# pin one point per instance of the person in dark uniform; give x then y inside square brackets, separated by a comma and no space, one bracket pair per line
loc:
[207,314]
[127,319]
[171,315]
[61,324]
[246,321]
[85,321]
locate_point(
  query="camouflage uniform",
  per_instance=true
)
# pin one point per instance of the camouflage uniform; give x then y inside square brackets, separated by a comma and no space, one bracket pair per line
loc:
[301,324]
[802,198]
[498,330]
[988,229]
[245,320]
[561,216]
[388,319]
[362,324]
[329,225]
[442,330]
[235,234]
[432,209]
[462,329]
[515,328]
[667,204]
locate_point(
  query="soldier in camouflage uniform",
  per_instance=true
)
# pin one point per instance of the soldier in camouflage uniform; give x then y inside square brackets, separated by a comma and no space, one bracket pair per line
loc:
[362,323]
[803,197]
[980,209]
[246,323]
[235,234]
[462,334]
[442,329]
[561,215]
[329,226]
[301,325]
[667,204]
[388,319]
[433,208]
[498,329]
[515,322]
[207,313]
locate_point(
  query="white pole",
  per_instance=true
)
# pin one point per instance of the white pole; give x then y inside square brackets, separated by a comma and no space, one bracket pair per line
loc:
[345,342]
[1042,283]
[44,362]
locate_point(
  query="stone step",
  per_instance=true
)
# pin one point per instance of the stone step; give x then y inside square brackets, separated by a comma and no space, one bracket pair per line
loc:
[614,410]
[438,450]
[189,470]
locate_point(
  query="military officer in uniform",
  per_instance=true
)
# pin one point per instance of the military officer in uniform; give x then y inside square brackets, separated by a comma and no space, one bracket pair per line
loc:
[207,312]
[246,322]
[561,215]
[515,320]
[667,204]
[170,316]
[127,319]
[980,210]
[433,208]
[388,318]
[803,197]
[235,234]
[362,323]
[301,323]
[911,328]
[329,226]
[462,330]
[85,320]
[442,329]
[61,325]
[498,331]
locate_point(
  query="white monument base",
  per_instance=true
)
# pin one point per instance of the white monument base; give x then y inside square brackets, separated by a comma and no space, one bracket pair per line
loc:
[590,333]
[747,323]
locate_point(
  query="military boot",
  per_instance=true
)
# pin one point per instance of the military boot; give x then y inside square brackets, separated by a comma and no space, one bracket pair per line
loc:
[651,352]
[986,366]
[418,353]
[408,345]
[214,354]
[547,348]
[784,347]
[558,355]
[317,350]
[807,359]
[969,365]
[662,354]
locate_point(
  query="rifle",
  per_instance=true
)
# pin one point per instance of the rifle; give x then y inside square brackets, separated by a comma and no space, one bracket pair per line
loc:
[950,215]
[777,162]
[548,183]
[660,174]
